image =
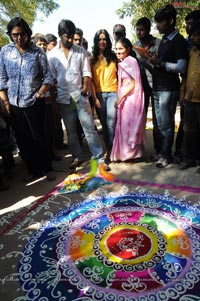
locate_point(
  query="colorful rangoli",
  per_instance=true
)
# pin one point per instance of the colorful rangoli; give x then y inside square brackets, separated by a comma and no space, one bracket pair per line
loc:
[77,182]
[133,247]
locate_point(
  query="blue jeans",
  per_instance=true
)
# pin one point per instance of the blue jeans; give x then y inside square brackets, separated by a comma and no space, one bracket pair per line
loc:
[82,110]
[164,108]
[107,116]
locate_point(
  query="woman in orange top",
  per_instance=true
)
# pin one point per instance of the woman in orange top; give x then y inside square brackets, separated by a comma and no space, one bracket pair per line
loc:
[104,87]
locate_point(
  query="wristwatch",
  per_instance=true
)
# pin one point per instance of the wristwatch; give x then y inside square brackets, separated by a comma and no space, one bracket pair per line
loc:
[84,94]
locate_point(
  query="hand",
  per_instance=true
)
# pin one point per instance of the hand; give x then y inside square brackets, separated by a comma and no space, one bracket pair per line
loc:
[97,103]
[154,59]
[181,102]
[6,108]
[39,95]
[84,91]
[84,94]
[117,102]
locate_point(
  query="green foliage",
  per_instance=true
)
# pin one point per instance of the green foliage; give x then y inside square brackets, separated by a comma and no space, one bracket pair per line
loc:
[147,8]
[27,9]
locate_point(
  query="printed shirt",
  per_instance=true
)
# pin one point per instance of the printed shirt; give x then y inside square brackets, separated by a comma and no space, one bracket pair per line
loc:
[23,74]
[69,72]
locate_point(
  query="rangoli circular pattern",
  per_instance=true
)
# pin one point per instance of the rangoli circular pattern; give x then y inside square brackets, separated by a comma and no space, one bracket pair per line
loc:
[134,247]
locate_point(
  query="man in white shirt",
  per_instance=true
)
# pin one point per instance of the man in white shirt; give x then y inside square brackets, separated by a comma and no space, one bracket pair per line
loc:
[70,67]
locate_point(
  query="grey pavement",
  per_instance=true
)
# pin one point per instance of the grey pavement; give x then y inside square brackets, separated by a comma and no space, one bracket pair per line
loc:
[20,194]
[17,201]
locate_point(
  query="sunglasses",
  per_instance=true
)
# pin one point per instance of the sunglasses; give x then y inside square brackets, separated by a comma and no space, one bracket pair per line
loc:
[17,34]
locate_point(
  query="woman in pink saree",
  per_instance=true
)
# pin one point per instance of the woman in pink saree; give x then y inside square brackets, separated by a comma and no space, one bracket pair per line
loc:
[129,136]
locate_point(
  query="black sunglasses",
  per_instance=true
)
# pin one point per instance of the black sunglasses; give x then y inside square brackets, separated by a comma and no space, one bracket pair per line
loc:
[17,34]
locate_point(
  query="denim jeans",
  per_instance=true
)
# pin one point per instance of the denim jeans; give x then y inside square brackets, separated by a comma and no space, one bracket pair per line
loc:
[164,108]
[82,110]
[107,116]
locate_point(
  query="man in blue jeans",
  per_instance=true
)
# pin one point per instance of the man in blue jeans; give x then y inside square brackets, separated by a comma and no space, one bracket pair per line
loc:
[168,65]
[191,98]
[70,67]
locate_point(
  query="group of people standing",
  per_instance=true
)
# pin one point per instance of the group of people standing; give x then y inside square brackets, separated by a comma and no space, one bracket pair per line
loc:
[120,79]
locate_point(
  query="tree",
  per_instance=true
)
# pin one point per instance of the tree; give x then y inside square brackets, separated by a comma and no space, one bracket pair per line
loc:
[140,8]
[25,9]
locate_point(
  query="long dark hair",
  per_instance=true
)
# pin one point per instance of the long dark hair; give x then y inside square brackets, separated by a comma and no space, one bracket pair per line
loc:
[19,22]
[108,52]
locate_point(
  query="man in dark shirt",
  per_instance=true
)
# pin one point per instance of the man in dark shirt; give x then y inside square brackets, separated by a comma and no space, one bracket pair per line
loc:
[168,65]
[145,44]
[191,97]
[190,19]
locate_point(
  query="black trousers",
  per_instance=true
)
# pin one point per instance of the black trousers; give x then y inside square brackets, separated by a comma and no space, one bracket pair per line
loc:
[180,134]
[28,125]
[191,145]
